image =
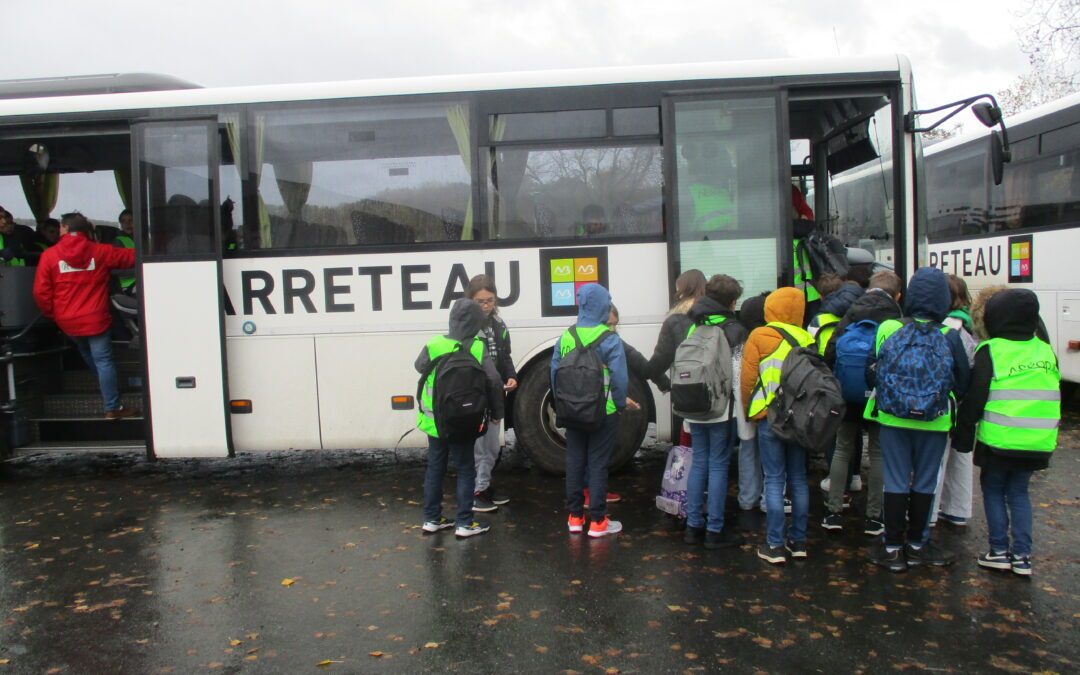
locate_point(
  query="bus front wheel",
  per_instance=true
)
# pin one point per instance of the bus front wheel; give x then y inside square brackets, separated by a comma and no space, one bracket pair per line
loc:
[545,442]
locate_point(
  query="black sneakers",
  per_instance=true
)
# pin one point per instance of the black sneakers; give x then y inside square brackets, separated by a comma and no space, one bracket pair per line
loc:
[725,538]
[893,561]
[694,535]
[774,555]
[928,554]
[873,527]
[483,503]
[833,522]
[797,549]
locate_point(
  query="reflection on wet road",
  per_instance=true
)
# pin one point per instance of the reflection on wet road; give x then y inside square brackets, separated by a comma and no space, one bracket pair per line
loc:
[278,564]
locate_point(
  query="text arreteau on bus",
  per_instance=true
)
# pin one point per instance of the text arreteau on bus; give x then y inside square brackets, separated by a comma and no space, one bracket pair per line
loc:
[969,262]
[298,286]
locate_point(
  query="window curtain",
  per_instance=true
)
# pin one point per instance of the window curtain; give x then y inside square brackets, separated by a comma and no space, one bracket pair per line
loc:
[123,185]
[41,191]
[294,183]
[266,238]
[458,117]
[507,175]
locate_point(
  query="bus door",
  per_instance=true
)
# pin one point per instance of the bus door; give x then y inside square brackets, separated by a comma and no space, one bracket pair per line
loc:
[727,202]
[180,289]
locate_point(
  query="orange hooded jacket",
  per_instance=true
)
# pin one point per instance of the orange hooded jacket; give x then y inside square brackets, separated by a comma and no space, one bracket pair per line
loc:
[784,305]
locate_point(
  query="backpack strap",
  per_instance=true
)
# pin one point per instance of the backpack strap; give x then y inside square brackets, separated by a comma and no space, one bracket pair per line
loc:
[431,366]
[787,337]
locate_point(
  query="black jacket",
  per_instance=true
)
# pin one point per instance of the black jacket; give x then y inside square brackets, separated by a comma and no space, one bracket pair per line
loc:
[638,366]
[734,331]
[874,305]
[1012,315]
[672,332]
[504,361]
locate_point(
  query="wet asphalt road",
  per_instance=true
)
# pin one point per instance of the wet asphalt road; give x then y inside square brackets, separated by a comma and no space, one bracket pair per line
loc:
[280,563]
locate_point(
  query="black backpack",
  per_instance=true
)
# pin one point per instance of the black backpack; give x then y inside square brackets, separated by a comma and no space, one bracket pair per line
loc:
[580,401]
[809,405]
[827,253]
[460,401]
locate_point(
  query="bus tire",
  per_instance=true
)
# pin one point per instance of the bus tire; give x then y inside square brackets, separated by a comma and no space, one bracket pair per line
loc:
[534,424]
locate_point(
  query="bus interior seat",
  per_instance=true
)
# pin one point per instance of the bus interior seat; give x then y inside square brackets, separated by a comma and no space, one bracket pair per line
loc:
[372,229]
[106,234]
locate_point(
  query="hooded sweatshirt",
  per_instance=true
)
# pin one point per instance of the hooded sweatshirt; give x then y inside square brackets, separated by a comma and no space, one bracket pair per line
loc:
[1012,315]
[874,305]
[71,285]
[594,306]
[928,299]
[466,318]
[837,304]
[784,305]
[752,312]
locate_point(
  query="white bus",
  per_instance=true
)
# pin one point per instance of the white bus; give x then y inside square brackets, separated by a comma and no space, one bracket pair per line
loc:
[1023,232]
[298,244]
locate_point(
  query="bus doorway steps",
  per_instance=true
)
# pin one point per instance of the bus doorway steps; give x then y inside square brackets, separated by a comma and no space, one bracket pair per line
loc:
[81,430]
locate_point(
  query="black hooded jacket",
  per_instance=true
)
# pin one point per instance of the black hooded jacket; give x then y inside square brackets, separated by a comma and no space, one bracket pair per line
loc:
[734,331]
[672,332]
[466,318]
[928,298]
[752,312]
[873,305]
[1012,315]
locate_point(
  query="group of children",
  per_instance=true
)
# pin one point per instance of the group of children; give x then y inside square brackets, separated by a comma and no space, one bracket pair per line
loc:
[926,393]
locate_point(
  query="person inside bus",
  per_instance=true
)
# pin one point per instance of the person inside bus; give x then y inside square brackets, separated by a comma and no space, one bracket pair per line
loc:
[12,248]
[707,165]
[802,224]
[48,233]
[594,221]
[71,287]
[126,239]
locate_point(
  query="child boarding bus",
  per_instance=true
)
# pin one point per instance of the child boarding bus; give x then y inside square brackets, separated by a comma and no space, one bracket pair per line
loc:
[297,244]
[1022,232]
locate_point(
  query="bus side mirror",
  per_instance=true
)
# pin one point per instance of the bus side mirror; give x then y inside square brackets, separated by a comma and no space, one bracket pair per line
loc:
[997,157]
[988,114]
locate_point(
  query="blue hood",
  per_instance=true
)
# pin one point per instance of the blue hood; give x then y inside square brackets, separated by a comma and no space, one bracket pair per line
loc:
[839,301]
[928,295]
[594,305]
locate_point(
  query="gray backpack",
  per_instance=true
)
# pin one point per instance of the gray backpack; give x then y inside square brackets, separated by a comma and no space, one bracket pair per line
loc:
[809,405]
[701,374]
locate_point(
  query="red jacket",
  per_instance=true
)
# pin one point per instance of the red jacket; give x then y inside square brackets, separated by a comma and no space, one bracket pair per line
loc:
[72,283]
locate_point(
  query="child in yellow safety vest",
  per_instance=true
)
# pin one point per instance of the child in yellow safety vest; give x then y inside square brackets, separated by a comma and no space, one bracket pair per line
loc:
[1010,419]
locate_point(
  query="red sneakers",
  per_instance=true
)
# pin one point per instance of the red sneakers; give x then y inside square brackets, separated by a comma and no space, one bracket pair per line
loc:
[612,497]
[604,527]
[576,524]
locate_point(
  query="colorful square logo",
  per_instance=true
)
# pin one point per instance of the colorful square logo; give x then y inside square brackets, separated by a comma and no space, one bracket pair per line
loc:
[563,294]
[564,271]
[1021,260]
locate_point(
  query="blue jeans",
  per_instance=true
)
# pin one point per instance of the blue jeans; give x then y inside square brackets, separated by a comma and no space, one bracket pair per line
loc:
[439,451]
[96,351]
[783,463]
[587,457]
[712,455]
[1008,507]
[750,478]
[911,460]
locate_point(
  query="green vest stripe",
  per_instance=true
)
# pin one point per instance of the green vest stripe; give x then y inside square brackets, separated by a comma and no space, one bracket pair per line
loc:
[126,282]
[587,337]
[1020,422]
[804,274]
[770,368]
[1024,395]
[1023,410]
[436,347]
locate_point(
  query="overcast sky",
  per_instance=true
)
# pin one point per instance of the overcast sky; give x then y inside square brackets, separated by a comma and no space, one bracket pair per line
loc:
[957,47]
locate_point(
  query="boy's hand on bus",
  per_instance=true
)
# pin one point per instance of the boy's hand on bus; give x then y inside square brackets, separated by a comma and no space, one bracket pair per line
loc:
[631,404]
[510,385]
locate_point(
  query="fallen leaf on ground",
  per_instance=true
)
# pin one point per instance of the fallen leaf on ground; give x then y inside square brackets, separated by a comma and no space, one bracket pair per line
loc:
[431,645]
[287,581]
[327,662]
[376,654]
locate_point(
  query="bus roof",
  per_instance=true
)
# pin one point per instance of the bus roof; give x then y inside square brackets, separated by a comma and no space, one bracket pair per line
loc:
[980,131]
[893,65]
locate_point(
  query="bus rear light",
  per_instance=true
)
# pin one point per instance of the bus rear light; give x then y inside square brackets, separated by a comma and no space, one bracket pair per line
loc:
[240,406]
[1074,345]
[401,402]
